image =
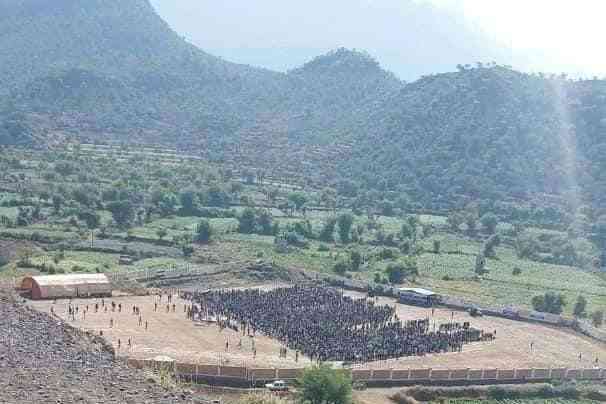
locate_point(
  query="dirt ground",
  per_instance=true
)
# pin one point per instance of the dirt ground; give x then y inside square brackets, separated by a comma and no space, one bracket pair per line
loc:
[552,346]
[171,334]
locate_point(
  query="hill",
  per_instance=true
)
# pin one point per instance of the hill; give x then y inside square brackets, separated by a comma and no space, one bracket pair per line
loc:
[113,71]
[47,361]
[107,67]
[486,133]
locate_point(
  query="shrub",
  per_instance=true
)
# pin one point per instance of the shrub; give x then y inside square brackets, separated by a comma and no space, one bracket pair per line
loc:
[356,260]
[549,303]
[188,250]
[341,267]
[387,254]
[204,232]
[323,248]
[597,318]
[580,306]
[321,384]
[569,392]
[516,271]
[497,393]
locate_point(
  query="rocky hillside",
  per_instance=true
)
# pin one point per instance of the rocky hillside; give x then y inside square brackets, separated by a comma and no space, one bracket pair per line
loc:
[42,361]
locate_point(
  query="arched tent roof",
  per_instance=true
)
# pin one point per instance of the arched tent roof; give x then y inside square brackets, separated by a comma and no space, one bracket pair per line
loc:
[72,285]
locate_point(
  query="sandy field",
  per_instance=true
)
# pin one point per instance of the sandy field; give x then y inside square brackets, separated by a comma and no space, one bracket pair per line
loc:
[172,334]
[552,346]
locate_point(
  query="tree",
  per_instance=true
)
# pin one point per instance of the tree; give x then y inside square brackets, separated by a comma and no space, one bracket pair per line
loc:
[549,303]
[189,203]
[396,273]
[217,196]
[407,232]
[489,223]
[409,228]
[344,223]
[123,212]
[58,202]
[166,203]
[161,233]
[597,318]
[247,221]
[328,197]
[579,307]
[455,220]
[298,199]
[356,260]
[490,244]
[91,218]
[265,221]
[436,246]
[204,232]
[321,384]
[341,267]
[328,230]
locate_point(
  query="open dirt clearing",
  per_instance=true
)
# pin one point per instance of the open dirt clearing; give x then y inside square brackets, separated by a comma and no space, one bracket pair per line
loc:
[552,346]
[171,334]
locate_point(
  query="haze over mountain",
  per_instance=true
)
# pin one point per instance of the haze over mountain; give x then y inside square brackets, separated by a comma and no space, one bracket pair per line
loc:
[409,37]
[113,70]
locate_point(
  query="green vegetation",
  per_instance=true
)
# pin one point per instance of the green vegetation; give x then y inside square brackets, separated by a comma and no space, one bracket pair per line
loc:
[549,303]
[537,393]
[321,384]
[164,211]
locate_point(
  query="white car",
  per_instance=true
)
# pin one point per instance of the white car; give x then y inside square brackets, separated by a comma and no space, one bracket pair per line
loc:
[278,385]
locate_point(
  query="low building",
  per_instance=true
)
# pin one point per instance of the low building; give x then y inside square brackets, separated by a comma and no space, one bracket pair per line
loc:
[66,286]
[418,296]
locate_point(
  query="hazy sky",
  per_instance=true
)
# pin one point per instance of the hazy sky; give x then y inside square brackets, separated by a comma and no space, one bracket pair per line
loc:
[409,37]
[568,34]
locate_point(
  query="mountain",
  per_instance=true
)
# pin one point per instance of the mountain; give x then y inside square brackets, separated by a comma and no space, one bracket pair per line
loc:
[112,70]
[409,37]
[113,66]
[487,133]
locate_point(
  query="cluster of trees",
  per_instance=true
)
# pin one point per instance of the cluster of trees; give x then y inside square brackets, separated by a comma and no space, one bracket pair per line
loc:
[554,303]
[549,303]
[555,249]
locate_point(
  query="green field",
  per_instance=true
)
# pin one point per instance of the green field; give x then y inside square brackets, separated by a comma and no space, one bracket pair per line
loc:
[91,179]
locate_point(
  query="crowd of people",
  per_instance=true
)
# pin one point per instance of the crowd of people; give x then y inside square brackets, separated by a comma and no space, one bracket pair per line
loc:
[325,325]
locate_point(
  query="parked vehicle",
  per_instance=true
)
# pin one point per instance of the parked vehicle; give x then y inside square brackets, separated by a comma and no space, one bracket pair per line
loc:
[277,386]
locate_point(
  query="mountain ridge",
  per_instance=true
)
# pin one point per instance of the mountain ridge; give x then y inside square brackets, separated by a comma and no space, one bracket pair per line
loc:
[113,71]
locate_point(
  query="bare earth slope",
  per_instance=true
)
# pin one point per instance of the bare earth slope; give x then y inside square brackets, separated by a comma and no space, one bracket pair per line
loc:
[42,361]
